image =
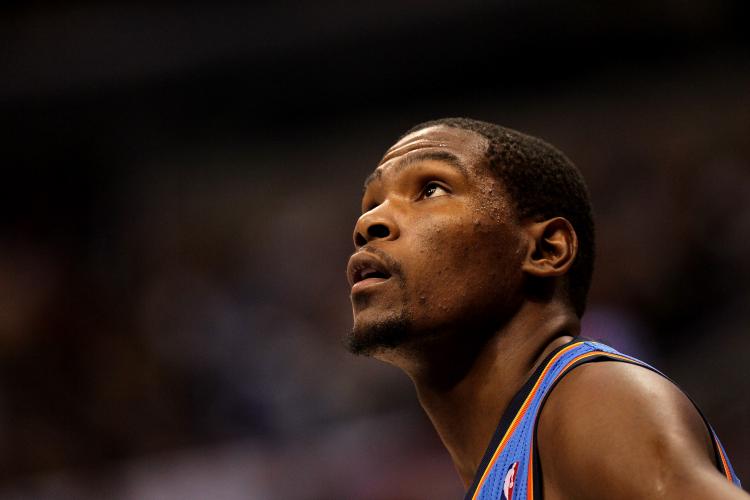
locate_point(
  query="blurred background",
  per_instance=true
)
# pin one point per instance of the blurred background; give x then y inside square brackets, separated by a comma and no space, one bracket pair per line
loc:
[180,183]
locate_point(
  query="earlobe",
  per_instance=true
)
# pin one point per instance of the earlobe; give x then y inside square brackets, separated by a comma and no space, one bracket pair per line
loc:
[552,247]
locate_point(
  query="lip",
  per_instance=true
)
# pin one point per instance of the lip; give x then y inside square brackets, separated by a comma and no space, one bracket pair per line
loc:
[367,283]
[365,270]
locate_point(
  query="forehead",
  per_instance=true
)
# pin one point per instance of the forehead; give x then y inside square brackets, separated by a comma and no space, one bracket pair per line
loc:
[466,147]
[456,140]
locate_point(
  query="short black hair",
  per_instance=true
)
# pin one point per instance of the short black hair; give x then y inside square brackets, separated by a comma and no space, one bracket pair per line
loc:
[542,183]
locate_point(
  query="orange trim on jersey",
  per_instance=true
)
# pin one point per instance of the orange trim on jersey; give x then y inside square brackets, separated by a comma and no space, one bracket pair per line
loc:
[724,461]
[518,417]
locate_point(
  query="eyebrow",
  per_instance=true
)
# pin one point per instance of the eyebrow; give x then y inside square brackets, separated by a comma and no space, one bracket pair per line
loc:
[417,157]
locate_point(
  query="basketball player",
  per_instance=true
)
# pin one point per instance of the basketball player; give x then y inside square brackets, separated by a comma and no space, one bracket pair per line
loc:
[473,258]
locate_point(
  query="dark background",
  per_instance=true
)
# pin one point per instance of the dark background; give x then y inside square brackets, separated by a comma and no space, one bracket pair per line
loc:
[180,182]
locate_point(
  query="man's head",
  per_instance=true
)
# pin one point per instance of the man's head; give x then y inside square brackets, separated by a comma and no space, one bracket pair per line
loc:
[458,218]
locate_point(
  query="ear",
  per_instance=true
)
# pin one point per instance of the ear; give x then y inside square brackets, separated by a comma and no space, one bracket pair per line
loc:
[552,247]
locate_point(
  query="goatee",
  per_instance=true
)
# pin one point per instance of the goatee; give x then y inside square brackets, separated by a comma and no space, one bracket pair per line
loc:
[384,334]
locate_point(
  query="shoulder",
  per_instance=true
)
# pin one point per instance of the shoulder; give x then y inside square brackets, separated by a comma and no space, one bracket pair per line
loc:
[613,429]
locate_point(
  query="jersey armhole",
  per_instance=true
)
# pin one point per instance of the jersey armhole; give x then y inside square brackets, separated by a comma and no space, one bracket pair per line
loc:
[720,462]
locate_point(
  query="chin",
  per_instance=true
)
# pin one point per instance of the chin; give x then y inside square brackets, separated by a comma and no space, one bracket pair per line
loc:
[373,338]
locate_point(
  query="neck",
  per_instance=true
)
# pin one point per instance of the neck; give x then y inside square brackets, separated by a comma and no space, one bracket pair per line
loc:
[466,402]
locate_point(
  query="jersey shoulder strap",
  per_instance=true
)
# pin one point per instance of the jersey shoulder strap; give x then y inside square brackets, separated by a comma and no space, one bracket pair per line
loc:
[507,467]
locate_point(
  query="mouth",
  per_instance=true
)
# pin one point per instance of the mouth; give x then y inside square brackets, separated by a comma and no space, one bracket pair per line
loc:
[365,270]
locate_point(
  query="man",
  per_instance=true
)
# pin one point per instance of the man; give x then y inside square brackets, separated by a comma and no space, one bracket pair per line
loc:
[473,258]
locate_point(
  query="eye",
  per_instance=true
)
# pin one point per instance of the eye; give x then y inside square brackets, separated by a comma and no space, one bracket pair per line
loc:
[433,189]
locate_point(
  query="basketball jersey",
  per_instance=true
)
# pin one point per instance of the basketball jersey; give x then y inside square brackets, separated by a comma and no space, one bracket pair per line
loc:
[509,469]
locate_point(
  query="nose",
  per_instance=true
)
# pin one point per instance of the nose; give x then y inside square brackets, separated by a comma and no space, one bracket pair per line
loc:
[377,224]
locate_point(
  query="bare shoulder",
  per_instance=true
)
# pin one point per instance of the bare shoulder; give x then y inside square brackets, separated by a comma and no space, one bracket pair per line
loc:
[618,430]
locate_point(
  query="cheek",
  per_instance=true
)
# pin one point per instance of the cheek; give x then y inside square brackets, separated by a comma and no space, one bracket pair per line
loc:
[471,262]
